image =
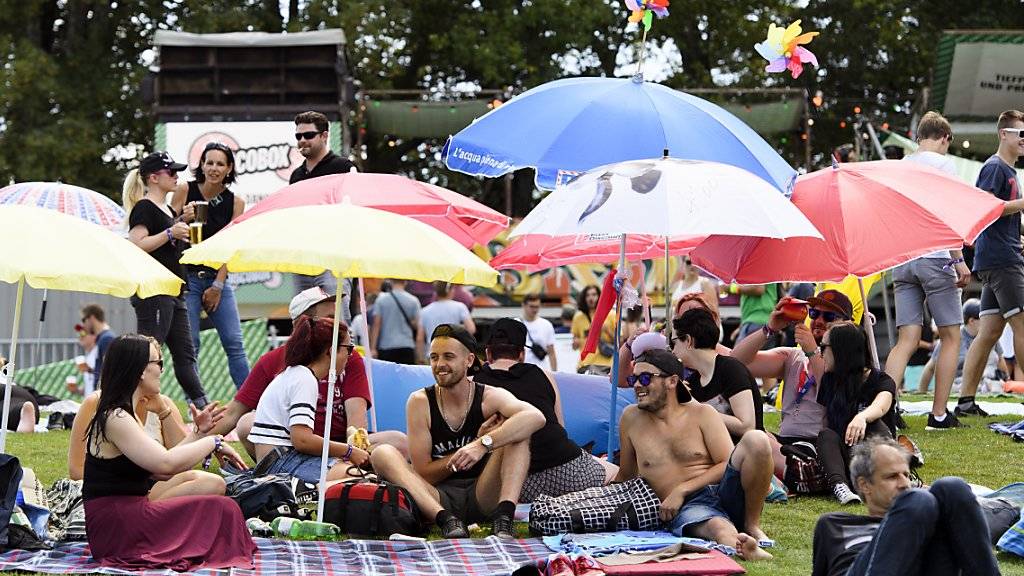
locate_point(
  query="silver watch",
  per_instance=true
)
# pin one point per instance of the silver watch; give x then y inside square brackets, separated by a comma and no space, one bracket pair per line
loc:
[487,442]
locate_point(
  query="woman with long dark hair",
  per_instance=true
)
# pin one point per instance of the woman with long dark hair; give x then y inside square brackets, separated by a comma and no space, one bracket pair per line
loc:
[126,529]
[207,288]
[158,229]
[283,426]
[858,401]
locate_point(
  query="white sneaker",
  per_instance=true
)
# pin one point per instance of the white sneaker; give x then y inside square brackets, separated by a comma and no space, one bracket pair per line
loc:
[845,496]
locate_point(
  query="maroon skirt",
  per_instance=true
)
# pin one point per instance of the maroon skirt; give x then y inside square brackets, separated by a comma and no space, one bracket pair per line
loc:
[183,533]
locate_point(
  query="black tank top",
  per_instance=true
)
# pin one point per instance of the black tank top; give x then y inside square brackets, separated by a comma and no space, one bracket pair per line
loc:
[444,440]
[550,446]
[114,477]
[222,208]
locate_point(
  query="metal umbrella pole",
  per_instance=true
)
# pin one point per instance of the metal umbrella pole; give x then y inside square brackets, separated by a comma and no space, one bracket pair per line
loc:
[615,357]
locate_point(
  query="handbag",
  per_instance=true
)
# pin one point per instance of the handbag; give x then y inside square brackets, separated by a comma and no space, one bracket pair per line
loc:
[370,507]
[629,505]
[804,474]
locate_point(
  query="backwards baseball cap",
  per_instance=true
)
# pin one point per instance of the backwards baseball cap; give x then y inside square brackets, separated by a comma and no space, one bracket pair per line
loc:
[972,308]
[459,332]
[663,360]
[833,300]
[508,332]
[306,299]
[158,161]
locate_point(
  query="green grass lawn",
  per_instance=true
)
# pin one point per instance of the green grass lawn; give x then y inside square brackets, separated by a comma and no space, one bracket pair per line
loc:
[976,454]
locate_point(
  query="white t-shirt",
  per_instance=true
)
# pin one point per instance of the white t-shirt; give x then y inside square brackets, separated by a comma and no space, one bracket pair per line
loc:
[289,399]
[442,312]
[542,333]
[940,162]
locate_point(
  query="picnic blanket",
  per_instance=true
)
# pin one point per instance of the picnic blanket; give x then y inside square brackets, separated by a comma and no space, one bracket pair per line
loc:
[466,557]
[603,543]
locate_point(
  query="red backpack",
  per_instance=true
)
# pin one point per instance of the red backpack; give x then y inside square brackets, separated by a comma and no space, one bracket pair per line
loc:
[371,508]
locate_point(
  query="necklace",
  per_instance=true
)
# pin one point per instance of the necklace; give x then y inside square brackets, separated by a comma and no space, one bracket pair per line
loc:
[465,415]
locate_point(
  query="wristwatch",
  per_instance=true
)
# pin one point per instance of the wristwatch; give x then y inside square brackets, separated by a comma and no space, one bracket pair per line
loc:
[487,442]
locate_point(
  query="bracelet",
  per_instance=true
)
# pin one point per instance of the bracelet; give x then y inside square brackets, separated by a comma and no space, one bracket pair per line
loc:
[952,263]
[163,415]
[170,236]
[218,441]
[810,354]
[768,332]
[217,284]
[348,453]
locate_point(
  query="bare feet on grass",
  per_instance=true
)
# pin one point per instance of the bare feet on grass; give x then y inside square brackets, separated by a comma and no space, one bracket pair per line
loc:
[757,534]
[746,547]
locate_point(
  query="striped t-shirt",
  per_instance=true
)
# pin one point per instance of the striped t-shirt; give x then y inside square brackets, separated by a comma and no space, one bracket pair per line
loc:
[289,400]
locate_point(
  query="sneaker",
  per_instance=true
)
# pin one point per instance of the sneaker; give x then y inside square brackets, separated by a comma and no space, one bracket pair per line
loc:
[560,565]
[502,527]
[584,565]
[454,528]
[916,456]
[970,410]
[950,421]
[55,422]
[845,496]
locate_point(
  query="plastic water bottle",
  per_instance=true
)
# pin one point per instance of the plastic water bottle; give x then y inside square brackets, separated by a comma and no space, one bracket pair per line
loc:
[303,529]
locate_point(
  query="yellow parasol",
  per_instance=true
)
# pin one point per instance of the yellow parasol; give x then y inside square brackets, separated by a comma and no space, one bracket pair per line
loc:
[51,250]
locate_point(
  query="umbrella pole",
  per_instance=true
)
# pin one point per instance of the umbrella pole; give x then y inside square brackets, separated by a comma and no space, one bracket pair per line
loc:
[367,362]
[612,424]
[890,331]
[39,332]
[9,368]
[868,324]
[668,297]
[332,376]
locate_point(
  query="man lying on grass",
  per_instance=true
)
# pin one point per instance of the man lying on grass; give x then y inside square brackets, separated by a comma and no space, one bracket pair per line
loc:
[461,473]
[708,489]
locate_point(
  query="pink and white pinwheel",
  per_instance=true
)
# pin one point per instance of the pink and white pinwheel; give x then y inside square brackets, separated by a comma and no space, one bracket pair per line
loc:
[643,11]
[783,51]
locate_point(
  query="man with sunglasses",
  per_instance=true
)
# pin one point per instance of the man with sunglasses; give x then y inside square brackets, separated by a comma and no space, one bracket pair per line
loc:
[311,139]
[998,262]
[935,279]
[463,470]
[800,367]
[708,489]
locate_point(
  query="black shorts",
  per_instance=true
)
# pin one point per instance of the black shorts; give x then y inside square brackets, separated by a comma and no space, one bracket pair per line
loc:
[458,496]
[1002,290]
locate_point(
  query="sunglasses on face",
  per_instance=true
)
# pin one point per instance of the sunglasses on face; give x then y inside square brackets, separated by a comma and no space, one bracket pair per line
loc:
[300,136]
[813,314]
[159,363]
[823,346]
[1015,132]
[349,347]
[644,378]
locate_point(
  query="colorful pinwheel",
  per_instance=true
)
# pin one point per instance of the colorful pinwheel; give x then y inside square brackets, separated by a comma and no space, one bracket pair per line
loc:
[782,49]
[644,11]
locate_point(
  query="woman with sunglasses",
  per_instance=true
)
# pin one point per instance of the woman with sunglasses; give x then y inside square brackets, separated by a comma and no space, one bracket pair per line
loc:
[282,429]
[125,526]
[206,288]
[858,401]
[159,230]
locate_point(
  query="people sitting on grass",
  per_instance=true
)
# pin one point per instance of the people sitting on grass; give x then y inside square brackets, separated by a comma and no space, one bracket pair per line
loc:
[462,472]
[557,464]
[126,529]
[968,332]
[939,531]
[351,393]
[162,422]
[717,379]
[708,488]
[23,414]
[858,401]
[283,427]
[799,367]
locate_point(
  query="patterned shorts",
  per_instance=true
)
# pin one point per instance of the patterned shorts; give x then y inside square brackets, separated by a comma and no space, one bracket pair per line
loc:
[577,474]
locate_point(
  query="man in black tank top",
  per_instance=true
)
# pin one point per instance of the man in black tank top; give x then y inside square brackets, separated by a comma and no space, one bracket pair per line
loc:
[469,443]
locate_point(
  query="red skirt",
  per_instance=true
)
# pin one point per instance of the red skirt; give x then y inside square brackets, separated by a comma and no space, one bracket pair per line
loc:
[183,533]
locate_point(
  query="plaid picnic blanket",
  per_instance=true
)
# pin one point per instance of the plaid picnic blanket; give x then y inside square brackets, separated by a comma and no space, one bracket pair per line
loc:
[468,557]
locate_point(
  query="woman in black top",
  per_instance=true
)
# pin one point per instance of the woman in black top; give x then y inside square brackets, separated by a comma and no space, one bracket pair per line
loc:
[858,401]
[157,229]
[206,288]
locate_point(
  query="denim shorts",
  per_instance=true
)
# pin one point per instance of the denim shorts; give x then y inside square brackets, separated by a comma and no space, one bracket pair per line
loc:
[931,281]
[305,467]
[723,500]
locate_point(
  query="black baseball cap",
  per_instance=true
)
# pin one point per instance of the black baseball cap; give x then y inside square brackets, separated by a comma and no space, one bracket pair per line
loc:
[508,332]
[663,360]
[459,332]
[158,161]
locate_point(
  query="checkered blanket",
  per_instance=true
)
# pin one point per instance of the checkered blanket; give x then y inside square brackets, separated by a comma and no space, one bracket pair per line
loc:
[476,557]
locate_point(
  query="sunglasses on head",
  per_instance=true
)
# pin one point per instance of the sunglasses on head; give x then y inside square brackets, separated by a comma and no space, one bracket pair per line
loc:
[1017,132]
[644,378]
[813,314]
[217,146]
[299,136]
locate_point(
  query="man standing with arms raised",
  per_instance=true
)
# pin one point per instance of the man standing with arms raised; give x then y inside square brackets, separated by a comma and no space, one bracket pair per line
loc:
[312,138]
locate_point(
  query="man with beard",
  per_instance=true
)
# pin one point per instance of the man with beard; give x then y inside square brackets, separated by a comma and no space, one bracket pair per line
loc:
[682,449]
[800,367]
[465,468]
[311,139]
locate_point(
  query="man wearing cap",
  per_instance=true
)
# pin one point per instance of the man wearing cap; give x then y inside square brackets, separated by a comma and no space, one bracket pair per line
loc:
[708,489]
[351,394]
[557,464]
[800,367]
[461,474]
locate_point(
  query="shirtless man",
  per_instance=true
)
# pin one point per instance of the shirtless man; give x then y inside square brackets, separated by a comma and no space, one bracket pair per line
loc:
[466,466]
[705,492]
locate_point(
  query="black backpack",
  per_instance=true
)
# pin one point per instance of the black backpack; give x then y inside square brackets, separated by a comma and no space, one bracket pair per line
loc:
[374,508]
[267,497]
